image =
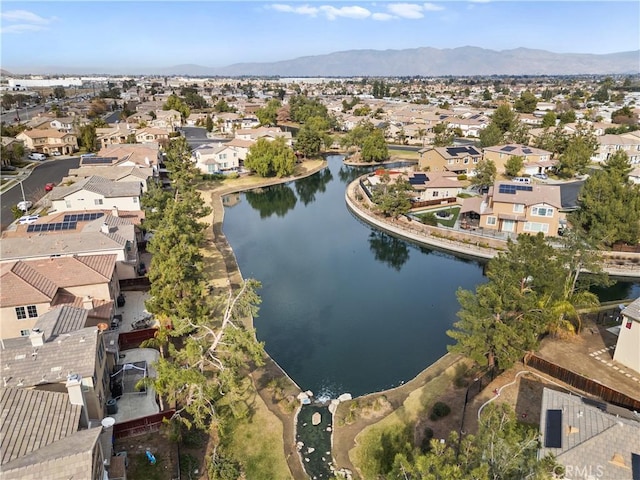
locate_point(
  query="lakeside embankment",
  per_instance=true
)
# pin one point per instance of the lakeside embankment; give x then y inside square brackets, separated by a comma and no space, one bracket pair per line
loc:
[616,264]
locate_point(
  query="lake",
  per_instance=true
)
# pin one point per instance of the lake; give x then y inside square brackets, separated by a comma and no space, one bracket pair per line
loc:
[345,308]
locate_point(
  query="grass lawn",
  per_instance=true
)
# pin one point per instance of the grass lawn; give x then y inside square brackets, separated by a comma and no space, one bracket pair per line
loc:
[416,406]
[393,152]
[141,469]
[445,223]
[257,443]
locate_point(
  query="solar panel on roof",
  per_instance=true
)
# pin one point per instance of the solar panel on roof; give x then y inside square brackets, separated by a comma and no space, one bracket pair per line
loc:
[506,188]
[527,150]
[30,228]
[508,148]
[553,429]
[82,217]
[420,175]
[635,466]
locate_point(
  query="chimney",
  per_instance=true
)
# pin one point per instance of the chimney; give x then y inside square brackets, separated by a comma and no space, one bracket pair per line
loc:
[114,211]
[87,302]
[104,228]
[37,337]
[76,397]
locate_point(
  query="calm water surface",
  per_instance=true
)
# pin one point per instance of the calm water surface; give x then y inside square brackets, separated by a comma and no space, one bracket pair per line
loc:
[345,308]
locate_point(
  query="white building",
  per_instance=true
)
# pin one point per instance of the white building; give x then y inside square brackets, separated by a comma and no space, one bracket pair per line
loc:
[628,347]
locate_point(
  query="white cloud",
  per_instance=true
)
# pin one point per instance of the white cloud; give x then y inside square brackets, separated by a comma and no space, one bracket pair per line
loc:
[301,10]
[349,12]
[23,21]
[382,17]
[406,10]
[479,1]
[432,7]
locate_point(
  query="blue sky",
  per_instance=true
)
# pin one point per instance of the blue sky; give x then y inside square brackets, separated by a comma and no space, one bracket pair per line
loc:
[123,35]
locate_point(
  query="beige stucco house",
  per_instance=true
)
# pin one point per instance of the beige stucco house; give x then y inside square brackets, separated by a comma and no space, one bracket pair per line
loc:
[515,208]
[536,160]
[48,141]
[459,160]
[97,192]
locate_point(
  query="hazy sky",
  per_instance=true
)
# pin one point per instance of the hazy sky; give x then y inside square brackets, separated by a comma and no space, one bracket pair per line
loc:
[124,35]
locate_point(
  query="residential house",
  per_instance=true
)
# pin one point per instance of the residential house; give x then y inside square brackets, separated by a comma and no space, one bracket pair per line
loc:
[77,233]
[96,192]
[610,144]
[435,187]
[627,350]
[30,288]
[45,361]
[589,439]
[130,154]
[459,160]
[227,122]
[48,141]
[515,208]
[44,435]
[470,127]
[220,158]
[9,143]
[535,160]
[115,173]
[197,119]
[269,133]
[114,134]
[67,124]
[151,134]
[167,120]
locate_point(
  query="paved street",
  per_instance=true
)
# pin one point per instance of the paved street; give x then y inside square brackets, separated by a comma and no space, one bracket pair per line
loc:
[33,185]
[197,136]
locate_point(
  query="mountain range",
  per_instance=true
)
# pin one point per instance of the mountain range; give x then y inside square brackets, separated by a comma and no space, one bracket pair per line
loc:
[424,61]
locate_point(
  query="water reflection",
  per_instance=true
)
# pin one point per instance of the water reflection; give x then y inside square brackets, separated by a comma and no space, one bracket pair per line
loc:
[307,188]
[387,249]
[278,199]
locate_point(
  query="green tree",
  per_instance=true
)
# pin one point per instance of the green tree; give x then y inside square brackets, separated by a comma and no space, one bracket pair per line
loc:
[59,92]
[88,139]
[269,113]
[568,116]
[609,205]
[503,318]
[514,165]
[174,102]
[624,116]
[490,136]
[374,147]
[268,158]
[485,173]
[392,198]
[444,135]
[486,95]
[504,118]
[209,123]
[526,103]
[549,119]
[308,141]
[577,155]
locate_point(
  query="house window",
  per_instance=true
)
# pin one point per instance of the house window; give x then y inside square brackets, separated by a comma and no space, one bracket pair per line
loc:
[30,311]
[518,208]
[475,160]
[536,227]
[466,160]
[67,203]
[25,333]
[97,201]
[435,193]
[542,211]
[135,199]
[491,220]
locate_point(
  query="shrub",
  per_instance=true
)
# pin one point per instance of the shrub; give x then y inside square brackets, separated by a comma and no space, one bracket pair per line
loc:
[439,410]
[425,445]
[462,177]
[429,219]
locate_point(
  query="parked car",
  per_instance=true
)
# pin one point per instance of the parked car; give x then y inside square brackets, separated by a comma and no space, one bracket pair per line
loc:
[27,219]
[9,168]
[24,205]
[56,153]
[49,186]
[37,156]
[541,176]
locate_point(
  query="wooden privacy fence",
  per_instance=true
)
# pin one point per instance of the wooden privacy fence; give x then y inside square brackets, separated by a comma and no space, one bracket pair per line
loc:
[134,338]
[582,383]
[142,425]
